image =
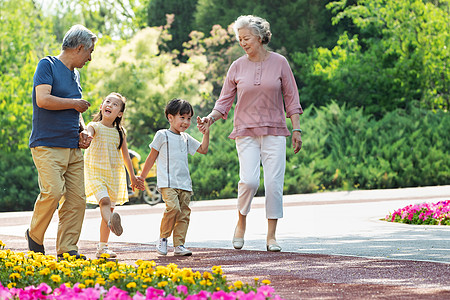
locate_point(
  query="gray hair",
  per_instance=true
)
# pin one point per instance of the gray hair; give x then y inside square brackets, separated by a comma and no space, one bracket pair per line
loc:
[259,26]
[78,35]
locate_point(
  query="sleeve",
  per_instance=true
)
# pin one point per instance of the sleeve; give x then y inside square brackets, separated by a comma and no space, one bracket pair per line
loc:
[289,90]
[94,125]
[228,93]
[193,144]
[44,73]
[158,141]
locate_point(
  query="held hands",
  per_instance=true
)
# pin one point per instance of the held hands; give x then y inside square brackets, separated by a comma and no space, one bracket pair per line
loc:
[85,139]
[203,124]
[296,141]
[138,183]
[81,105]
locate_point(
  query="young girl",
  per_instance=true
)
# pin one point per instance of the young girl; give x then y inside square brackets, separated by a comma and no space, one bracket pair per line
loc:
[104,167]
[170,147]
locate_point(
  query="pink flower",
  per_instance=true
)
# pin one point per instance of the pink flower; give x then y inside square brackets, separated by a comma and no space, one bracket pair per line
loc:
[115,293]
[153,293]
[266,290]
[182,289]
[138,296]
[221,295]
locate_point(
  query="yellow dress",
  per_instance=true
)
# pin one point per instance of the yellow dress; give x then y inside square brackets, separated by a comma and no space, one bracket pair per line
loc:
[104,169]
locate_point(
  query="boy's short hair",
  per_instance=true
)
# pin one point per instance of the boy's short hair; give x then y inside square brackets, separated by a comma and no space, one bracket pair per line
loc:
[180,106]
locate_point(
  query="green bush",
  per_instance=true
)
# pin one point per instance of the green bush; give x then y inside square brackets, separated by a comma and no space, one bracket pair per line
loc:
[18,183]
[343,149]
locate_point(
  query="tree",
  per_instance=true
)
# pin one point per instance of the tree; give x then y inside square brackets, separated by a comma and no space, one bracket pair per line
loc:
[296,25]
[399,56]
[147,78]
[181,24]
[112,17]
[24,38]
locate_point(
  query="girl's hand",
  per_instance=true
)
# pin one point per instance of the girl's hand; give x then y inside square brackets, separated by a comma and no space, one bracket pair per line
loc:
[296,141]
[85,139]
[140,183]
[137,182]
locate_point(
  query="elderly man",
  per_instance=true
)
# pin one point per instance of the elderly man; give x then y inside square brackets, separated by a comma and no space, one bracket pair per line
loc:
[56,138]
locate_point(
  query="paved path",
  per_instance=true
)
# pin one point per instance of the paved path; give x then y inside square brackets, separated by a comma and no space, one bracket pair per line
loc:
[368,256]
[336,223]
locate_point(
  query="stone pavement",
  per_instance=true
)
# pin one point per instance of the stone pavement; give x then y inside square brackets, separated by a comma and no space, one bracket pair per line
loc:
[334,243]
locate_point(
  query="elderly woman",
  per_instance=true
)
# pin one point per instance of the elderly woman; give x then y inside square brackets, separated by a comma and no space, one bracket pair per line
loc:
[266,92]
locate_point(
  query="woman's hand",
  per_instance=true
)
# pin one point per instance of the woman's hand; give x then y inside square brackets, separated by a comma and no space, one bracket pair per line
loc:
[296,141]
[203,124]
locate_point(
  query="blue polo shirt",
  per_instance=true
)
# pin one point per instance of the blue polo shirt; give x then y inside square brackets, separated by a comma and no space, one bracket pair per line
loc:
[56,128]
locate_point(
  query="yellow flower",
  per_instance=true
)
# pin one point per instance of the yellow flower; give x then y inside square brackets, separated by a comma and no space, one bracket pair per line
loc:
[197,275]
[81,286]
[67,284]
[88,282]
[104,255]
[29,273]
[256,279]
[51,265]
[88,272]
[217,270]
[189,280]
[14,276]
[100,280]
[11,285]
[203,282]
[114,276]
[44,271]
[9,264]
[18,269]
[207,275]
[238,284]
[266,281]
[144,286]
[110,264]
[162,284]
[131,285]
[56,278]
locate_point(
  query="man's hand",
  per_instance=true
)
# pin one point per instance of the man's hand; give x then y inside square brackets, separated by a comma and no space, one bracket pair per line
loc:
[81,105]
[85,140]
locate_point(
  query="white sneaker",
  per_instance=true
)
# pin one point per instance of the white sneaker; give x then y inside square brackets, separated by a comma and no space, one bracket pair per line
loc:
[161,248]
[105,250]
[182,251]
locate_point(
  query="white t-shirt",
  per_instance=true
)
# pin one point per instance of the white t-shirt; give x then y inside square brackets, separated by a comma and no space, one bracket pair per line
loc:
[172,162]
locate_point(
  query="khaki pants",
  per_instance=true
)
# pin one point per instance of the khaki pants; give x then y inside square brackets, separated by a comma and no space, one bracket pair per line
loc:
[61,180]
[177,214]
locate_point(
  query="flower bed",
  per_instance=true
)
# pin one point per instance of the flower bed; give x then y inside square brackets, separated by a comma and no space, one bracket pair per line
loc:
[36,276]
[422,214]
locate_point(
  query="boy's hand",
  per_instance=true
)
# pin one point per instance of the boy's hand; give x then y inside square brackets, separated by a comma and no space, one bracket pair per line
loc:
[140,183]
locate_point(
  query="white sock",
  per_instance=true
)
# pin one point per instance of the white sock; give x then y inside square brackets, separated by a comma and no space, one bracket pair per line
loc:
[102,245]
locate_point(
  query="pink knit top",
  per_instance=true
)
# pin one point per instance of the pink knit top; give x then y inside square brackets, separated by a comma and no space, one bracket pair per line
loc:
[265,91]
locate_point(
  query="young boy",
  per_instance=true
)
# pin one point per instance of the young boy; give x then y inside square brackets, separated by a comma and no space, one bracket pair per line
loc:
[171,147]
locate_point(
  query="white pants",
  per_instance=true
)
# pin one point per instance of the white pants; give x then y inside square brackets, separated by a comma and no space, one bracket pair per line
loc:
[271,151]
